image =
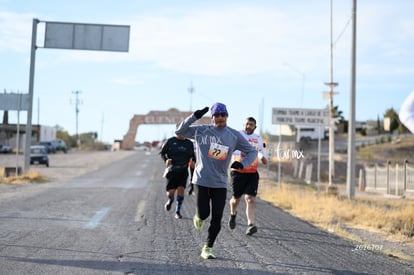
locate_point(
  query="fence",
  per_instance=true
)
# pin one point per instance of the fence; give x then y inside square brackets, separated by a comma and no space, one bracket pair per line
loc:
[393,180]
[294,170]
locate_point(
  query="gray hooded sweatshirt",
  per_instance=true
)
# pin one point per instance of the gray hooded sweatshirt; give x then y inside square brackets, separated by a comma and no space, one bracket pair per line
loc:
[214,149]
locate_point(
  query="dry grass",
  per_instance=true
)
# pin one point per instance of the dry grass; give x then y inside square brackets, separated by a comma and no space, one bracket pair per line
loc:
[29,177]
[398,150]
[391,217]
[394,218]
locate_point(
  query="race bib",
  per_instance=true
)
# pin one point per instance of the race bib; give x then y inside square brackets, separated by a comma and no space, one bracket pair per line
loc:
[218,151]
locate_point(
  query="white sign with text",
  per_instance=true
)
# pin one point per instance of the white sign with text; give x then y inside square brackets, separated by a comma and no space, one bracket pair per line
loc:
[295,116]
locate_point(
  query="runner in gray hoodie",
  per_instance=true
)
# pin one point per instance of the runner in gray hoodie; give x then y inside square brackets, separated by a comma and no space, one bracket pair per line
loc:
[215,145]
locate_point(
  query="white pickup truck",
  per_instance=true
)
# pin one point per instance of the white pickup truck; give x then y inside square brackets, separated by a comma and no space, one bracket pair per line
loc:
[308,133]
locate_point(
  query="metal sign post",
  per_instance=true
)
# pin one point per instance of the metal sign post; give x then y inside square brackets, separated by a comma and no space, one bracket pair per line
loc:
[28,134]
[75,36]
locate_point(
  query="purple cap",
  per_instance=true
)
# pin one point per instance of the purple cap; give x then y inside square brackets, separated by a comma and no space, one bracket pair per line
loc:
[218,108]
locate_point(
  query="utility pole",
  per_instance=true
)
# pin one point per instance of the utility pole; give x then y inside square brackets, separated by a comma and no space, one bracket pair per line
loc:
[77,103]
[350,174]
[329,95]
[191,91]
[102,123]
[38,110]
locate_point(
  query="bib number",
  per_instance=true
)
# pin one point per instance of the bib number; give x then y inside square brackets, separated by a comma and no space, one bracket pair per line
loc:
[218,151]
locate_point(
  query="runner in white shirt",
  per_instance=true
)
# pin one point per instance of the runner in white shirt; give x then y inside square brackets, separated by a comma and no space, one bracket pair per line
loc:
[246,180]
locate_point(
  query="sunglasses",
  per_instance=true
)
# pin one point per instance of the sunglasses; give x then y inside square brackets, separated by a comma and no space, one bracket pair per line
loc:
[220,114]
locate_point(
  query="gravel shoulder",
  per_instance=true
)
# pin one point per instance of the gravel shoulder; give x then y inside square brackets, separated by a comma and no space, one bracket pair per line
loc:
[66,166]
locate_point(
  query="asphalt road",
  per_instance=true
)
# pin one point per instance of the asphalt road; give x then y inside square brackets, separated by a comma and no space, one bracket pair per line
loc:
[112,221]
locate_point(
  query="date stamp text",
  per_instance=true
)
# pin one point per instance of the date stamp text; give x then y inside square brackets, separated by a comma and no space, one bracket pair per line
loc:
[371,247]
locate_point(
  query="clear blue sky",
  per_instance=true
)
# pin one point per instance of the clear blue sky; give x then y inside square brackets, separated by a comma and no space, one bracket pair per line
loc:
[250,55]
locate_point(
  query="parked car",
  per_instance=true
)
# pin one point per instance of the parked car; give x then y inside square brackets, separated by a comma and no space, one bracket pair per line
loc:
[60,145]
[5,149]
[50,147]
[38,155]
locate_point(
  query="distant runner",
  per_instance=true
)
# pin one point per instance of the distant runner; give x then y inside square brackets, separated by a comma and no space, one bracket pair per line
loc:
[177,152]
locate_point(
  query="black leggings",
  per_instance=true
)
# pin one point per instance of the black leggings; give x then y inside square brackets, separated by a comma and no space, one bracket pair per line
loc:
[217,196]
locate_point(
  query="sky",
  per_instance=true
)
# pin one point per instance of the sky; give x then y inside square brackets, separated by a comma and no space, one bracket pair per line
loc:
[250,55]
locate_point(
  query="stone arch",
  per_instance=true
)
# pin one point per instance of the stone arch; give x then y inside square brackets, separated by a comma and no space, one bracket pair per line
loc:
[171,116]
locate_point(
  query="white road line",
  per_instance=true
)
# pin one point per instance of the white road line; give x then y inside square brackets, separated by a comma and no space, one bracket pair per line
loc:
[140,210]
[97,218]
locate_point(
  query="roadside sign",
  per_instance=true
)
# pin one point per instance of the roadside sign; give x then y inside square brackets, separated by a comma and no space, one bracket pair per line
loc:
[299,116]
[73,36]
[79,36]
[14,102]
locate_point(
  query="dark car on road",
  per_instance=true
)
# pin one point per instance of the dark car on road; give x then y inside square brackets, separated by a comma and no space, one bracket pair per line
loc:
[38,155]
[5,149]
[50,147]
[60,145]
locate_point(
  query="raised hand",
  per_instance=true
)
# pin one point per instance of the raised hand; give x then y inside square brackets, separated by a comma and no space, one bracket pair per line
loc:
[200,113]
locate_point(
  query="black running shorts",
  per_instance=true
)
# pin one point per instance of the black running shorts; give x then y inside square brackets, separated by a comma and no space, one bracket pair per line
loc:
[177,178]
[244,183]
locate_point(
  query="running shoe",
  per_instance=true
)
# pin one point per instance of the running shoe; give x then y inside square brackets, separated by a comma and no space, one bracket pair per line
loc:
[198,223]
[168,205]
[207,253]
[251,229]
[178,215]
[232,221]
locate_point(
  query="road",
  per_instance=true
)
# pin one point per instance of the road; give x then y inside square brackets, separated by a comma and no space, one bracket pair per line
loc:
[112,221]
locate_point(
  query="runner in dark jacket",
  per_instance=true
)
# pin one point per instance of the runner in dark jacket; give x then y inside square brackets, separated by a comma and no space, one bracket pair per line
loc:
[177,152]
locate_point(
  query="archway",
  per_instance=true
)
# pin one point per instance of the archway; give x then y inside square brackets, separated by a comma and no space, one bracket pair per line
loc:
[172,116]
